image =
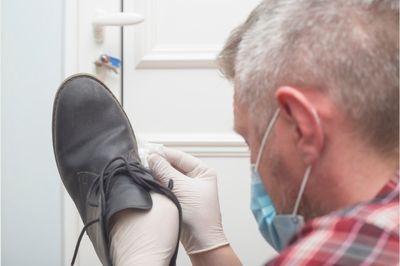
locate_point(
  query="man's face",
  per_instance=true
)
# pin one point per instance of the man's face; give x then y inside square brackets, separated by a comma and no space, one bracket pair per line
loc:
[278,168]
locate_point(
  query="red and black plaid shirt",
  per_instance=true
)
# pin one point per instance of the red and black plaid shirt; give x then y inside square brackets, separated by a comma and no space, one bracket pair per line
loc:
[365,234]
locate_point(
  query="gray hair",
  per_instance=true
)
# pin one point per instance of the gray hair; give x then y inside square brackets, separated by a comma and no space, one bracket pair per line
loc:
[348,49]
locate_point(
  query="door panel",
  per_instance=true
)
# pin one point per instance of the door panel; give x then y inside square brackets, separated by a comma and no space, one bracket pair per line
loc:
[173,94]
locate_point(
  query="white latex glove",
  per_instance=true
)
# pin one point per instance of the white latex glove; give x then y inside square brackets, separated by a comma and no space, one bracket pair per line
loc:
[145,237]
[195,186]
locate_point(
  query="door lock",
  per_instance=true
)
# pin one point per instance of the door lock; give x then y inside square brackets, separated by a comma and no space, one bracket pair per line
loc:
[109,62]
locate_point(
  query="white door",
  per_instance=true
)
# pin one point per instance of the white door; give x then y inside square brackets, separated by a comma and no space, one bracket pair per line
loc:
[174,95]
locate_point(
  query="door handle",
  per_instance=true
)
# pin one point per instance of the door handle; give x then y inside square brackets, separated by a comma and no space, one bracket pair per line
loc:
[102,19]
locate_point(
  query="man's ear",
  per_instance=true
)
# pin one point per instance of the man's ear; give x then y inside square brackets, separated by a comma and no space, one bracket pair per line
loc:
[307,128]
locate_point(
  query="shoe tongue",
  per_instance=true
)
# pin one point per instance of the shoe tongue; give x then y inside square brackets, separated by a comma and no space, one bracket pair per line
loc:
[125,194]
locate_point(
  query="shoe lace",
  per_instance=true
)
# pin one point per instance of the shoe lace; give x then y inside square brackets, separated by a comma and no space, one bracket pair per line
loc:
[102,184]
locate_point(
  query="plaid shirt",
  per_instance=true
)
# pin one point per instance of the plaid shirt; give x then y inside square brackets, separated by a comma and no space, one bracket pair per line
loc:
[365,234]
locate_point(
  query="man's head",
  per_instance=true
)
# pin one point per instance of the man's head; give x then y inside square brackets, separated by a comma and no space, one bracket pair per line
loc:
[332,68]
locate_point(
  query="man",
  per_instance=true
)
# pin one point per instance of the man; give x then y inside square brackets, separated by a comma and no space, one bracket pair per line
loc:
[316,99]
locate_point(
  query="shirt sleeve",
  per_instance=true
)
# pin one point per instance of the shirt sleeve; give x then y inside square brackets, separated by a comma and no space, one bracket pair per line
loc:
[341,242]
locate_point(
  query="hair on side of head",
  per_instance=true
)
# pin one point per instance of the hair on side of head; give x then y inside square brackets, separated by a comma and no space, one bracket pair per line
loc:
[349,49]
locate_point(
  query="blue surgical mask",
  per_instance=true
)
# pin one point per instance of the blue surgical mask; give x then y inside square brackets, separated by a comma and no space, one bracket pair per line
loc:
[277,229]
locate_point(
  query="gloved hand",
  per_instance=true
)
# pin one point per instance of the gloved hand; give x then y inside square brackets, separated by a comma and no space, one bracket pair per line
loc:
[195,186]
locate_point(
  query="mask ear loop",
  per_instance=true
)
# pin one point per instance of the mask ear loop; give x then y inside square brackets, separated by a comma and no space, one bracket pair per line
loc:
[264,140]
[305,177]
[302,188]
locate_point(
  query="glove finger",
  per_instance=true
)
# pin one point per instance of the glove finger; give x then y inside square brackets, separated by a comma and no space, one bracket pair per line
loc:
[185,163]
[162,169]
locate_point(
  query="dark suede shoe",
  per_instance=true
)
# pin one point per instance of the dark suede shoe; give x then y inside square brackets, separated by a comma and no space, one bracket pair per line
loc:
[97,157]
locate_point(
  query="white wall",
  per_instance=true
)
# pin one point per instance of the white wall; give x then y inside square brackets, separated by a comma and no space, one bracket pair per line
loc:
[32,51]
[1,92]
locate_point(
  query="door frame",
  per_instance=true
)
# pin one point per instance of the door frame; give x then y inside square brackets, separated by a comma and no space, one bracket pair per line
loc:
[70,225]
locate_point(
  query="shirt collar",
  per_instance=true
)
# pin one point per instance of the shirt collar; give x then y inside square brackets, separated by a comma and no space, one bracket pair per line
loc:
[390,186]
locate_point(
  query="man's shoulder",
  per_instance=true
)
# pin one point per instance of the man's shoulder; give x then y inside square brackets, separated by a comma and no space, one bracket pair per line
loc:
[365,232]
[382,212]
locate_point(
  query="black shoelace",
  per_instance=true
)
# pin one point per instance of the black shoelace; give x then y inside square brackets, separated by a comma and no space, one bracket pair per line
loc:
[133,170]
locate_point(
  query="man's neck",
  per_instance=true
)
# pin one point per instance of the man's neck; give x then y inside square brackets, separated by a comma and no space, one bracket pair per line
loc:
[352,176]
